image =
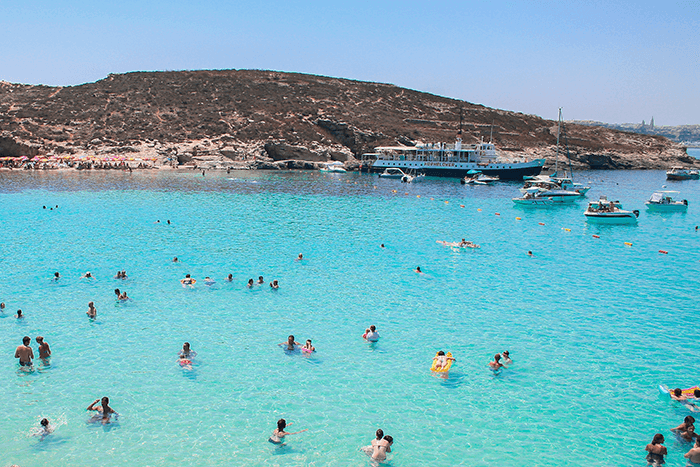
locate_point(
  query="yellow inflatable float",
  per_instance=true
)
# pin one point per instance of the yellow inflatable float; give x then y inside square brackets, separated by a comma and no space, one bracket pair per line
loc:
[449,359]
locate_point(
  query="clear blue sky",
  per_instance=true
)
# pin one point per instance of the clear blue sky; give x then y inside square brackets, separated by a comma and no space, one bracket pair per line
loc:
[612,61]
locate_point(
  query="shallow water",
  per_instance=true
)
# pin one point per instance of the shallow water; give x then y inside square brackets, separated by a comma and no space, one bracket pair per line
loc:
[593,325]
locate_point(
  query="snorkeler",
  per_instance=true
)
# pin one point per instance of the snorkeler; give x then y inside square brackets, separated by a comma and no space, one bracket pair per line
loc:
[92,311]
[103,409]
[496,364]
[44,349]
[24,353]
[291,343]
[279,433]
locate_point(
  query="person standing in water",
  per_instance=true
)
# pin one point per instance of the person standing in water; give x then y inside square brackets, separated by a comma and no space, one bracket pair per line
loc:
[656,450]
[496,363]
[693,455]
[44,349]
[382,447]
[103,409]
[290,344]
[92,311]
[24,353]
[278,435]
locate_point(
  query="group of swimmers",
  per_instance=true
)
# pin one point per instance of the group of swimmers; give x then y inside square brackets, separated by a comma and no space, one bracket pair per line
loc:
[189,281]
[686,432]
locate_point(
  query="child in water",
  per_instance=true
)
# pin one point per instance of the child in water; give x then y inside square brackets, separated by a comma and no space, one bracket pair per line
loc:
[308,348]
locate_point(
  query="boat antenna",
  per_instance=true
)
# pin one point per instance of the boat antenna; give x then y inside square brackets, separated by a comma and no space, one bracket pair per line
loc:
[566,144]
[556,160]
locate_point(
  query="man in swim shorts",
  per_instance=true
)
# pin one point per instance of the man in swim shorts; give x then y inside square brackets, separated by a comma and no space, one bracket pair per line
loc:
[44,349]
[24,352]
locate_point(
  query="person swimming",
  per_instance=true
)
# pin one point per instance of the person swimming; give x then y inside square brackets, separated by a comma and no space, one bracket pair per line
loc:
[175,260]
[187,351]
[229,278]
[381,448]
[45,428]
[56,276]
[274,284]
[686,430]
[188,280]
[184,362]
[417,270]
[290,344]
[251,283]
[87,275]
[506,358]
[300,257]
[209,281]
[19,314]
[278,435]
[261,280]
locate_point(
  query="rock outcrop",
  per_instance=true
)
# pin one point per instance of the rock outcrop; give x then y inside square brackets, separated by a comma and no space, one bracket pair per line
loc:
[270,119]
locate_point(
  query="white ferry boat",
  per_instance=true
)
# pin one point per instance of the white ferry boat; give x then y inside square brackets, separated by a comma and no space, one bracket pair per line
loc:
[449,160]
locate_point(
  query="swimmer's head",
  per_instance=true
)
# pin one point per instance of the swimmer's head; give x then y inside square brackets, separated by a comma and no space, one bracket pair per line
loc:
[497,357]
[44,422]
[26,340]
[373,328]
[39,339]
[230,276]
[186,346]
[696,393]
[91,304]
[281,424]
[19,313]
[389,439]
[117,291]
[689,420]
[658,439]
[380,433]
[56,275]
[105,400]
[290,339]
[187,276]
[677,392]
[506,353]
[308,341]
[441,353]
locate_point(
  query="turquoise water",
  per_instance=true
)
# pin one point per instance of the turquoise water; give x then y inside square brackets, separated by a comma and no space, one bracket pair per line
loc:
[592,325]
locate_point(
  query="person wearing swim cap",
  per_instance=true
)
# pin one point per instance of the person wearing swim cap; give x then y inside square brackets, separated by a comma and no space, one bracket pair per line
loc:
[372,335]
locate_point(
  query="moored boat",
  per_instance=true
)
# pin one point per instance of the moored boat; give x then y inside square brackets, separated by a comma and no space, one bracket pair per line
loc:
[449,160]
[337,167]
[682,173]
[392,172]
[663,202]
[609,212]
[533,199]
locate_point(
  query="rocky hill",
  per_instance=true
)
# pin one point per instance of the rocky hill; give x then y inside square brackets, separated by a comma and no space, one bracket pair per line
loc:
[267,119]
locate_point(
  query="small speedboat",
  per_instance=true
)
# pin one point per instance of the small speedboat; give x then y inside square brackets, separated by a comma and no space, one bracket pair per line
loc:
[609,212]
[533,199]
[392,172]
[663,202]
[682,173]
[412,177]
[337,167]
[476,177]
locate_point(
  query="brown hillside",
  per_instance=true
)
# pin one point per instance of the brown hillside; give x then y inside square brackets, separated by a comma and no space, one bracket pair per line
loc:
[236,115]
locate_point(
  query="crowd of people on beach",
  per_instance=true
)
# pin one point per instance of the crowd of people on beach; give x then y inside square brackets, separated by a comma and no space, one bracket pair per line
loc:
[68,162]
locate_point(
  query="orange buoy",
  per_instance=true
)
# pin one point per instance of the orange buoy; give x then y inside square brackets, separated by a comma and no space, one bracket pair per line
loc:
[432,199]
[446,202]
[663,252]
[498,213]
[628,243]
[541,223]
[596,236]
[461,205]
[567,230]
[517,219]
[479,209]
[406,193]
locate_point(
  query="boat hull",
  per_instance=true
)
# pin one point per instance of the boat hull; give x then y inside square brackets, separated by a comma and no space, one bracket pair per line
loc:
[680,207]
[533,202]
[611,218]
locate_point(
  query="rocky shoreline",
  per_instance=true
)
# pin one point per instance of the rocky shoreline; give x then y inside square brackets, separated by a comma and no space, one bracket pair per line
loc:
[250,119]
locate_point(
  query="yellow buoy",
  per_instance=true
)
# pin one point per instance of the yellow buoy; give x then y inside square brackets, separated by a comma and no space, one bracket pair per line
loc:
[447,202]
[567,230]
[628,243]
[517,219]
[417,196]
[393,191]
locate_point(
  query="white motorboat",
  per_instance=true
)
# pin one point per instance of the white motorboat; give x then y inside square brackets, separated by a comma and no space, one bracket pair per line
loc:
[609,212]
[476,177]
[412,177]
[550,189]
[392,172]
[337,167]
[533,198]
[682,173]
[663,202]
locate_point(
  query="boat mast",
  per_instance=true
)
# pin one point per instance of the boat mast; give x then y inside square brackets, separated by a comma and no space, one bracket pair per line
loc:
[556,161]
